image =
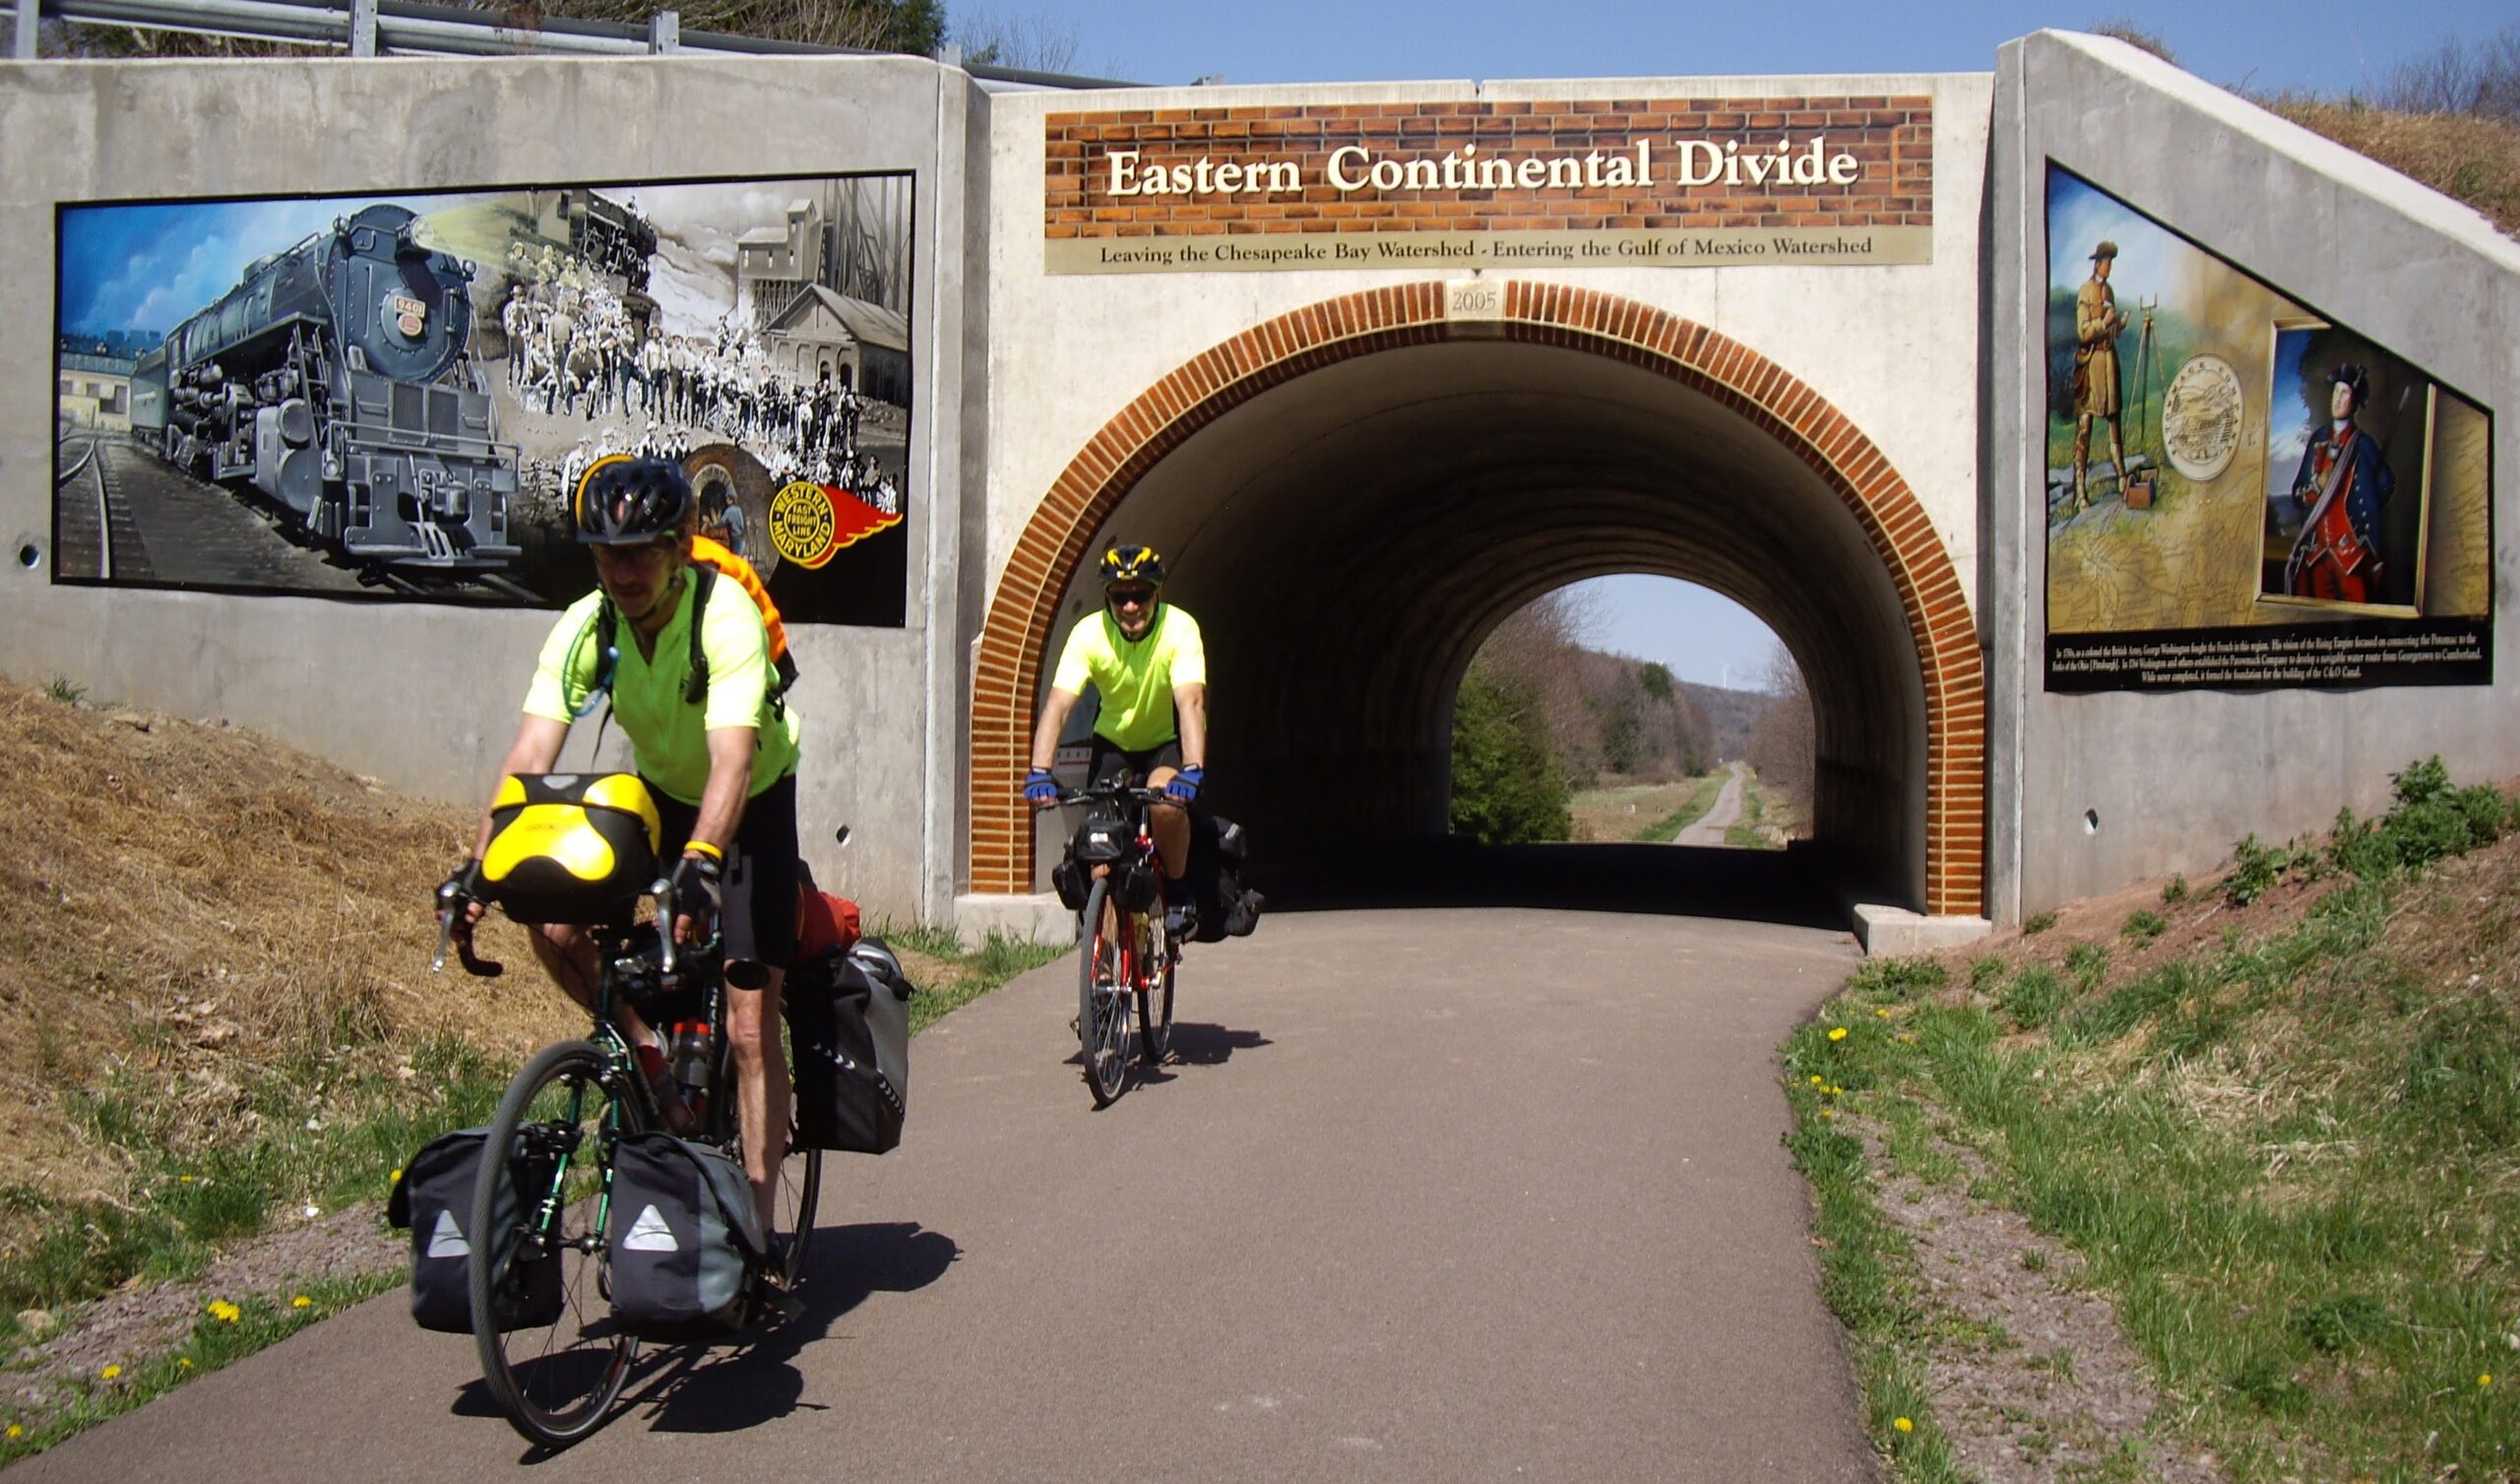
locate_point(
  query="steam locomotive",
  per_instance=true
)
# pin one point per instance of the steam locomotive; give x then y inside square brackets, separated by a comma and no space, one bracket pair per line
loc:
[331,382]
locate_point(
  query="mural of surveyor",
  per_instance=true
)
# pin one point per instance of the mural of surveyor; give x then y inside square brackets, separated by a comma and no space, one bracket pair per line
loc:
[2352,431]
[394,395]
[2278,499]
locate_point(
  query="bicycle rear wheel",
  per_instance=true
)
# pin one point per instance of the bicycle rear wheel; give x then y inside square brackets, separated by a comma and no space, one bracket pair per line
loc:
[1103,987]
[556,1380]
[791,1222]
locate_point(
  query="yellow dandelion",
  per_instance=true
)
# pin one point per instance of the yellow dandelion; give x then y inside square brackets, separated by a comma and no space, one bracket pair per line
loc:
[225,1312]
[1903,1425]
[1837,1032]
[1883,1014]
[184,1362]
[16,1432]
[110,1371]
[1817,1079]
[2485,1380]
[397,1175]
[302,1302]
[1828,1112]
[183,1179]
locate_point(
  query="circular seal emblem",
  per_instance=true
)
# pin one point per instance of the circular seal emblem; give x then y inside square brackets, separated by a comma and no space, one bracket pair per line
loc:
[2201,417]
[410,316]
[803,526]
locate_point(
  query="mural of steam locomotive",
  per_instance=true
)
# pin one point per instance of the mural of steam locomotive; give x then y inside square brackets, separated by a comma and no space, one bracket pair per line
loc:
[332,381]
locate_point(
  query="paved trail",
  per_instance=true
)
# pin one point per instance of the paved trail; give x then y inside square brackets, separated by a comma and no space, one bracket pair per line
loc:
[1433,1195]
[1724,812]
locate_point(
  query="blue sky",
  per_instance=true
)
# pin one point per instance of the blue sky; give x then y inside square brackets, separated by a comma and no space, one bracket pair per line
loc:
[146,267]
[2327,47]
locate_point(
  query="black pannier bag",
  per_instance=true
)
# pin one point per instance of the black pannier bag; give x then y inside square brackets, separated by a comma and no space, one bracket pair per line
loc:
[849,1042]
[1227,906]
[434,1201]
[683,1237]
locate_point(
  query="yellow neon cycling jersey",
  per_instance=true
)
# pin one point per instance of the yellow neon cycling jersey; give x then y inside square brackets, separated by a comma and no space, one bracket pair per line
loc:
[669,735]
[1134,679]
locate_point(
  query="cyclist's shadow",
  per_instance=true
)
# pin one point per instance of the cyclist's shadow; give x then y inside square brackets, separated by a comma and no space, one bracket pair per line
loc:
[753,1379]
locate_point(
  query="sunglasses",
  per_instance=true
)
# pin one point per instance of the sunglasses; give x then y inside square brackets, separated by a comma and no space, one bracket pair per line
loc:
[1129,597]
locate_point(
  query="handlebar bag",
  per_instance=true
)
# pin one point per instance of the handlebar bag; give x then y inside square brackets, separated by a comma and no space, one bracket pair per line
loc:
[433,1200]
[572,847]
[848,1041]
[683,1236]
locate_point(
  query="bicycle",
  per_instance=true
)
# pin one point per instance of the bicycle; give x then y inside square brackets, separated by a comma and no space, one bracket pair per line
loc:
[566,1112]
[1123,949]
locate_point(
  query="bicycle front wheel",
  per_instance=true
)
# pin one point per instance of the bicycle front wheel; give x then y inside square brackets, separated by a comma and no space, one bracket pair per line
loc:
[542,1310]
[1102,989]
[1154,1005]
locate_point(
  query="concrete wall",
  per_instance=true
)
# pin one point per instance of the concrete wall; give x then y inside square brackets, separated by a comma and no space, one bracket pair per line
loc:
[2174,780]
[1895,349]
[425,697]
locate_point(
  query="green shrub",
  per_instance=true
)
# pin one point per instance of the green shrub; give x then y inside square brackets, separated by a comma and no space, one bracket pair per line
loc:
[1508,787]
[67,691]
[2338,1322]
[2174,892]
[2037,923]
[2427,820]
[2144,926]
[2256,868]
[2087,962]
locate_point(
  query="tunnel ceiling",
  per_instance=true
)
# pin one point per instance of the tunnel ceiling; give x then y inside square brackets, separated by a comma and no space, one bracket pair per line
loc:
[1347,538]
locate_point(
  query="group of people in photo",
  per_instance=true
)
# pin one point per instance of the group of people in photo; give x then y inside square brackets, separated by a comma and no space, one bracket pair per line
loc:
[575,351]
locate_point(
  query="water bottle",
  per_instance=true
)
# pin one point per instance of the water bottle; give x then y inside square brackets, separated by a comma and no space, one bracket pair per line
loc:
[691,1057]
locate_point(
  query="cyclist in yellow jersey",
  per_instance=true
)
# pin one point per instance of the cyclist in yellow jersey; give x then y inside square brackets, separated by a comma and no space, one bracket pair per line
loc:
[717,751]
[1146,661]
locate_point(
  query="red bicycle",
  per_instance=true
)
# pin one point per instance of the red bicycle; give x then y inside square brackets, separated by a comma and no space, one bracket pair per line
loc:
[1124,953]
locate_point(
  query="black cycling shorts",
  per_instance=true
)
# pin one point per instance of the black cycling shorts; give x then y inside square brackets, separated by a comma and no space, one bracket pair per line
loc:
[759,916]
[1109,761]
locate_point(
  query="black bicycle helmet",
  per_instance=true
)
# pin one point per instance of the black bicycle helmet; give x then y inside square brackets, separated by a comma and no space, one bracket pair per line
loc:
[1132,564]
[624,501]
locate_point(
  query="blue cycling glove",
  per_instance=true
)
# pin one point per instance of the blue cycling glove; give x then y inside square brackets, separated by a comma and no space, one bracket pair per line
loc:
[1040,787]
[1183,787]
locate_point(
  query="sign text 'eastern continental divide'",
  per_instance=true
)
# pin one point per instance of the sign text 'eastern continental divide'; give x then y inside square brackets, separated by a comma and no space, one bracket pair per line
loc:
[1675,182]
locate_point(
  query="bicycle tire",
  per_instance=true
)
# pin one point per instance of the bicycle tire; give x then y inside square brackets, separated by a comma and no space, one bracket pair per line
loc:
[1102,993]
[1155,1010]
[555,1383]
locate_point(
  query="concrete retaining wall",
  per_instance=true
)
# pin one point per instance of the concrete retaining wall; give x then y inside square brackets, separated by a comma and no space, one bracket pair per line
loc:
[424,696]
[2174,779]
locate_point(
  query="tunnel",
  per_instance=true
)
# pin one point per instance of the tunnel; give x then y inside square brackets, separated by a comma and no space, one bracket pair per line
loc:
[1349,519]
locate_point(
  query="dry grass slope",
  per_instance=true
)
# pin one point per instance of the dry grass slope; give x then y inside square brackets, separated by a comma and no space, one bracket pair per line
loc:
[2469,159]
[200,904]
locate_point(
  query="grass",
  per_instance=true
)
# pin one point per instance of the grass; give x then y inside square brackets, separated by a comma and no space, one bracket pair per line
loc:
[2291,1161]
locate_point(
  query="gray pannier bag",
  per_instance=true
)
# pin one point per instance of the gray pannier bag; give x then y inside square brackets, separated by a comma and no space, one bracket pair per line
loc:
[434,1201]
[683,1236]
[848,1038]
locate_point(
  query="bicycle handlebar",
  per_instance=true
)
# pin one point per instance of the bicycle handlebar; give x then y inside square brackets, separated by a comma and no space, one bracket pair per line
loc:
[1108,793]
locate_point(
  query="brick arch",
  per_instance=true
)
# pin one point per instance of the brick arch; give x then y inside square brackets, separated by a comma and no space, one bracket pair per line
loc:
[1204,389]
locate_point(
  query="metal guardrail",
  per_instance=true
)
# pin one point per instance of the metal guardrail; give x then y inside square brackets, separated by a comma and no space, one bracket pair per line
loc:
[409,28]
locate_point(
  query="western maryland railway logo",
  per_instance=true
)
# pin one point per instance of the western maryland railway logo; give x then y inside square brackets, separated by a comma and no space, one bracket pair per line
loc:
[811,522]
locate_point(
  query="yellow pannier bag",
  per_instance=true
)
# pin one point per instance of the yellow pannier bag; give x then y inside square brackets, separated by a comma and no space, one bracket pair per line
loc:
[572,847]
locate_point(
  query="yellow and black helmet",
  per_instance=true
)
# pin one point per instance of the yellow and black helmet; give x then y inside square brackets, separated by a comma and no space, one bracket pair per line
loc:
[1132,564]
[626,501]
